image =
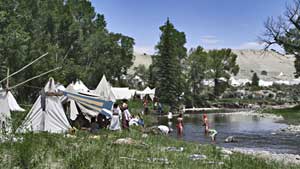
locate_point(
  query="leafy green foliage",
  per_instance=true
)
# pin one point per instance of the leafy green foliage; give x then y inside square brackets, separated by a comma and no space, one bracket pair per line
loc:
[223,65]
[143,73]
[166,68]
[198,67]
[73,34]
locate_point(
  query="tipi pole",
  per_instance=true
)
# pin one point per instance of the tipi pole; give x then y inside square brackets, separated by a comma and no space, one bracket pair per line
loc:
[26,66]
[52,70]
[7,81]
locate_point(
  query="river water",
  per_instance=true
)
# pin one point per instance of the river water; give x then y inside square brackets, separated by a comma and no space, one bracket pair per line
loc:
[251,131]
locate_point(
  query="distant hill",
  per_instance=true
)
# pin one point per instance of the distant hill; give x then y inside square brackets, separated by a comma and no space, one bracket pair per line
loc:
[140,59]
[269,65]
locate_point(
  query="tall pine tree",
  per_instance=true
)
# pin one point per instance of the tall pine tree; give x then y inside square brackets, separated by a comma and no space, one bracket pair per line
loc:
[167,62]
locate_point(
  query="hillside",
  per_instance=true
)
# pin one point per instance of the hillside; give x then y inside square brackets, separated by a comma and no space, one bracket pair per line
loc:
[140,59]
[276,66]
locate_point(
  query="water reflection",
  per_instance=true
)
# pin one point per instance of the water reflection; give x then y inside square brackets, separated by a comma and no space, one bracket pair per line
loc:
[251,131]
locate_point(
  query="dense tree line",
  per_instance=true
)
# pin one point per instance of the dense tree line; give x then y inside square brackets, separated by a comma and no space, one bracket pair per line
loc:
[77,40]
[73,34]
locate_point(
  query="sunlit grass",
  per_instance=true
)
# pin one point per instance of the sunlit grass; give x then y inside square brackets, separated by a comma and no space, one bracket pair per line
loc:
[46,150]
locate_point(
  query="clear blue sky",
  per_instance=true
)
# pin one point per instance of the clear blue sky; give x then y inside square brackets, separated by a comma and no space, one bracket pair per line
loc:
[209,23]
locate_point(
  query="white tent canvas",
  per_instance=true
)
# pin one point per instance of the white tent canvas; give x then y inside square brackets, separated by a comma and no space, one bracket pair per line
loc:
[4,110]
[12,103]
[51,118]
[122,93]
[147,90]
[104,90]
[8,97]
[78,86]
[73,110]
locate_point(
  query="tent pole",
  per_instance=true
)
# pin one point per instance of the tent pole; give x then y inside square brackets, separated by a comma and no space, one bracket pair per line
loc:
[52,70]
[7,81]
[25,67]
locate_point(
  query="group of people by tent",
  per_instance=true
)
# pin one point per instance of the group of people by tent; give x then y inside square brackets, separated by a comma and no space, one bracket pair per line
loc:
[58,109]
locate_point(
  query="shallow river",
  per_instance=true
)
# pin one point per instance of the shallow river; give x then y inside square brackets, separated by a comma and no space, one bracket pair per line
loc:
[251,131]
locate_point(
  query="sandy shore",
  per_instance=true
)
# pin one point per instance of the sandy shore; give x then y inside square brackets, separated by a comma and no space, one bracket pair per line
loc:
[284,158]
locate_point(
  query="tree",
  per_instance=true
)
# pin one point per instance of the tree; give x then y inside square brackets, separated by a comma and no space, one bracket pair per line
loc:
[198,66]
[168,70]
[255,80]
[285,31]
[223,65]
[73,34]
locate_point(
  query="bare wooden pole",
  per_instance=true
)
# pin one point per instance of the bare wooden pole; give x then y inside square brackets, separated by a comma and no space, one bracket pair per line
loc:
[7,81]
[52,70]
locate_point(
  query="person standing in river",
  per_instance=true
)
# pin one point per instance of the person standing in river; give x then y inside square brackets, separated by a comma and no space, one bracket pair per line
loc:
[205,123]
[179,125]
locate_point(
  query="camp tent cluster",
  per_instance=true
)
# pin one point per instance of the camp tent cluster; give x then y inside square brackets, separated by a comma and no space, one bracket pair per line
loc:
[48,113]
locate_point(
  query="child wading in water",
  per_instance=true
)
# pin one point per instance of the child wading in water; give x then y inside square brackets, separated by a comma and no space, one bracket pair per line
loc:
[179,125]
[212,132]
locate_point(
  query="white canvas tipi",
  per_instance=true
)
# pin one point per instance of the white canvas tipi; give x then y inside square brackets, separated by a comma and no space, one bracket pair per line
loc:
[6,96]
[104,90]
[7,104]
[4,111]
[47,113]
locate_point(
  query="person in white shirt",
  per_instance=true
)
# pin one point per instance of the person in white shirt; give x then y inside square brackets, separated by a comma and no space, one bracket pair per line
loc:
[164,129]
[115,123]
[170,115]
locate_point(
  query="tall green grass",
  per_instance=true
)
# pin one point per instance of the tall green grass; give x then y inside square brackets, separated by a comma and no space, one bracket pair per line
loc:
[46,150]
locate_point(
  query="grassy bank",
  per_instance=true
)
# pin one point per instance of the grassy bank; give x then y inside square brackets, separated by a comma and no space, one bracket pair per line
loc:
[290,115]
[84,150]
[81,151]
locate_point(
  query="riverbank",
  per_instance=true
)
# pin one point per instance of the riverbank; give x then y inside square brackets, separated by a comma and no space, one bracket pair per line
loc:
[282,158]
[291,115]
[102,150]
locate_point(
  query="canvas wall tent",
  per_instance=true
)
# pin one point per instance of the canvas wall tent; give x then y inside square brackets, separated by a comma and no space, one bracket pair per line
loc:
[146,91]
[89,106]
[123,93]
[104,90]
[265,83]
[47,113]
[86,102]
